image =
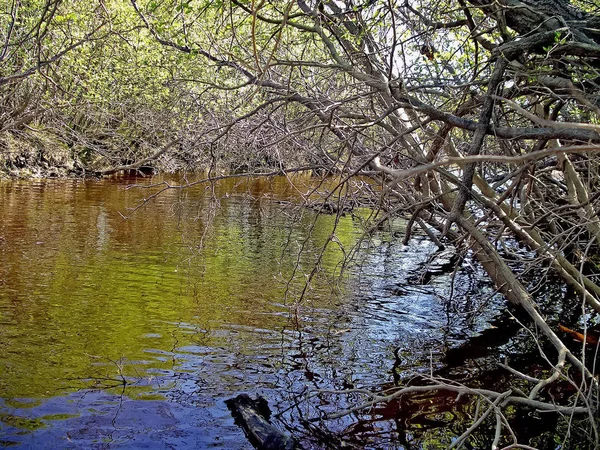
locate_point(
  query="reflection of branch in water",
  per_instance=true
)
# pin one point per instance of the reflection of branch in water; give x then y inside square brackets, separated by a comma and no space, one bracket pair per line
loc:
[496,401]
[166,186]
[111,382]
[119,408]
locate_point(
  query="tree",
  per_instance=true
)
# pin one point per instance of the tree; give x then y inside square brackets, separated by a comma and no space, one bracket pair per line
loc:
[84,87]
[36,37]
[475,119]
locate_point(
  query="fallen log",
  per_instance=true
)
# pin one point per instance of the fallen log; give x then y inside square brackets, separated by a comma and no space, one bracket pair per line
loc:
[253,417]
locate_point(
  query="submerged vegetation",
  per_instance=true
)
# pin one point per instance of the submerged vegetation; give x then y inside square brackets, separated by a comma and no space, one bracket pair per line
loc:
[475,121]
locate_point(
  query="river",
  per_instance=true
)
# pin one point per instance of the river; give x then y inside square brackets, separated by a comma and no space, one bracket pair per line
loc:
[126,324]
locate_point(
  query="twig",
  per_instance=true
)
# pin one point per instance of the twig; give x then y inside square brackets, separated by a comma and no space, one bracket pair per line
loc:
[493,407]
[461,390]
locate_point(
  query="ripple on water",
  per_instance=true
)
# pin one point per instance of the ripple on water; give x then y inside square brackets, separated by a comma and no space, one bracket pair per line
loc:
[98,312]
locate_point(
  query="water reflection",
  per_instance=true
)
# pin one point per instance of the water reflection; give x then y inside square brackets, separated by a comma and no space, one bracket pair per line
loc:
[187,301]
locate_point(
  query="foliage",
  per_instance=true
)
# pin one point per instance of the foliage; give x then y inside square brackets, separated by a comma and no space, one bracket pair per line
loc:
[478,120]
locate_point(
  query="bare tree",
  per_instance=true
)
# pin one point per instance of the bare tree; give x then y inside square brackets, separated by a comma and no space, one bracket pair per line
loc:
[478,121]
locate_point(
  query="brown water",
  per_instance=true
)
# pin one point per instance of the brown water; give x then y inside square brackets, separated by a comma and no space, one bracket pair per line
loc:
[128,329]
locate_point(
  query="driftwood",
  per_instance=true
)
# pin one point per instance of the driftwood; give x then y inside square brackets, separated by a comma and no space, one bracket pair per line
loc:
[253,416]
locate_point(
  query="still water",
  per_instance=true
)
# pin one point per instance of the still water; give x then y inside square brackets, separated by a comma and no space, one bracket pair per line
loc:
[128,328]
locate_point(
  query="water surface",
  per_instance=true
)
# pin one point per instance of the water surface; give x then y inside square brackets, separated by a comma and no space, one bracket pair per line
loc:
[128,328]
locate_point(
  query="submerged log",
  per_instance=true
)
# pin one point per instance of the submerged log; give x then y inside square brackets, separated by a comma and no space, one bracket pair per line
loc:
[591,337]
[253,416]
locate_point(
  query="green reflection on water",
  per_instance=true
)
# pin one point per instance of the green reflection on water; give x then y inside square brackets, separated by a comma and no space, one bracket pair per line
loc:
[21,422]
[59,416]
[88,298]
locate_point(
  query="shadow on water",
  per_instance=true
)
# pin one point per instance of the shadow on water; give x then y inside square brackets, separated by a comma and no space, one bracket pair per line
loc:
[131,332]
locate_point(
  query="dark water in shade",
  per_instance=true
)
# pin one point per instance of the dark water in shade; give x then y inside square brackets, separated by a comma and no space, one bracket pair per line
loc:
[122,329]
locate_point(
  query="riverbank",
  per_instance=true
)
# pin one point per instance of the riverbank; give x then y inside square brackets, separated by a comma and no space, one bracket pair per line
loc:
[39,153]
